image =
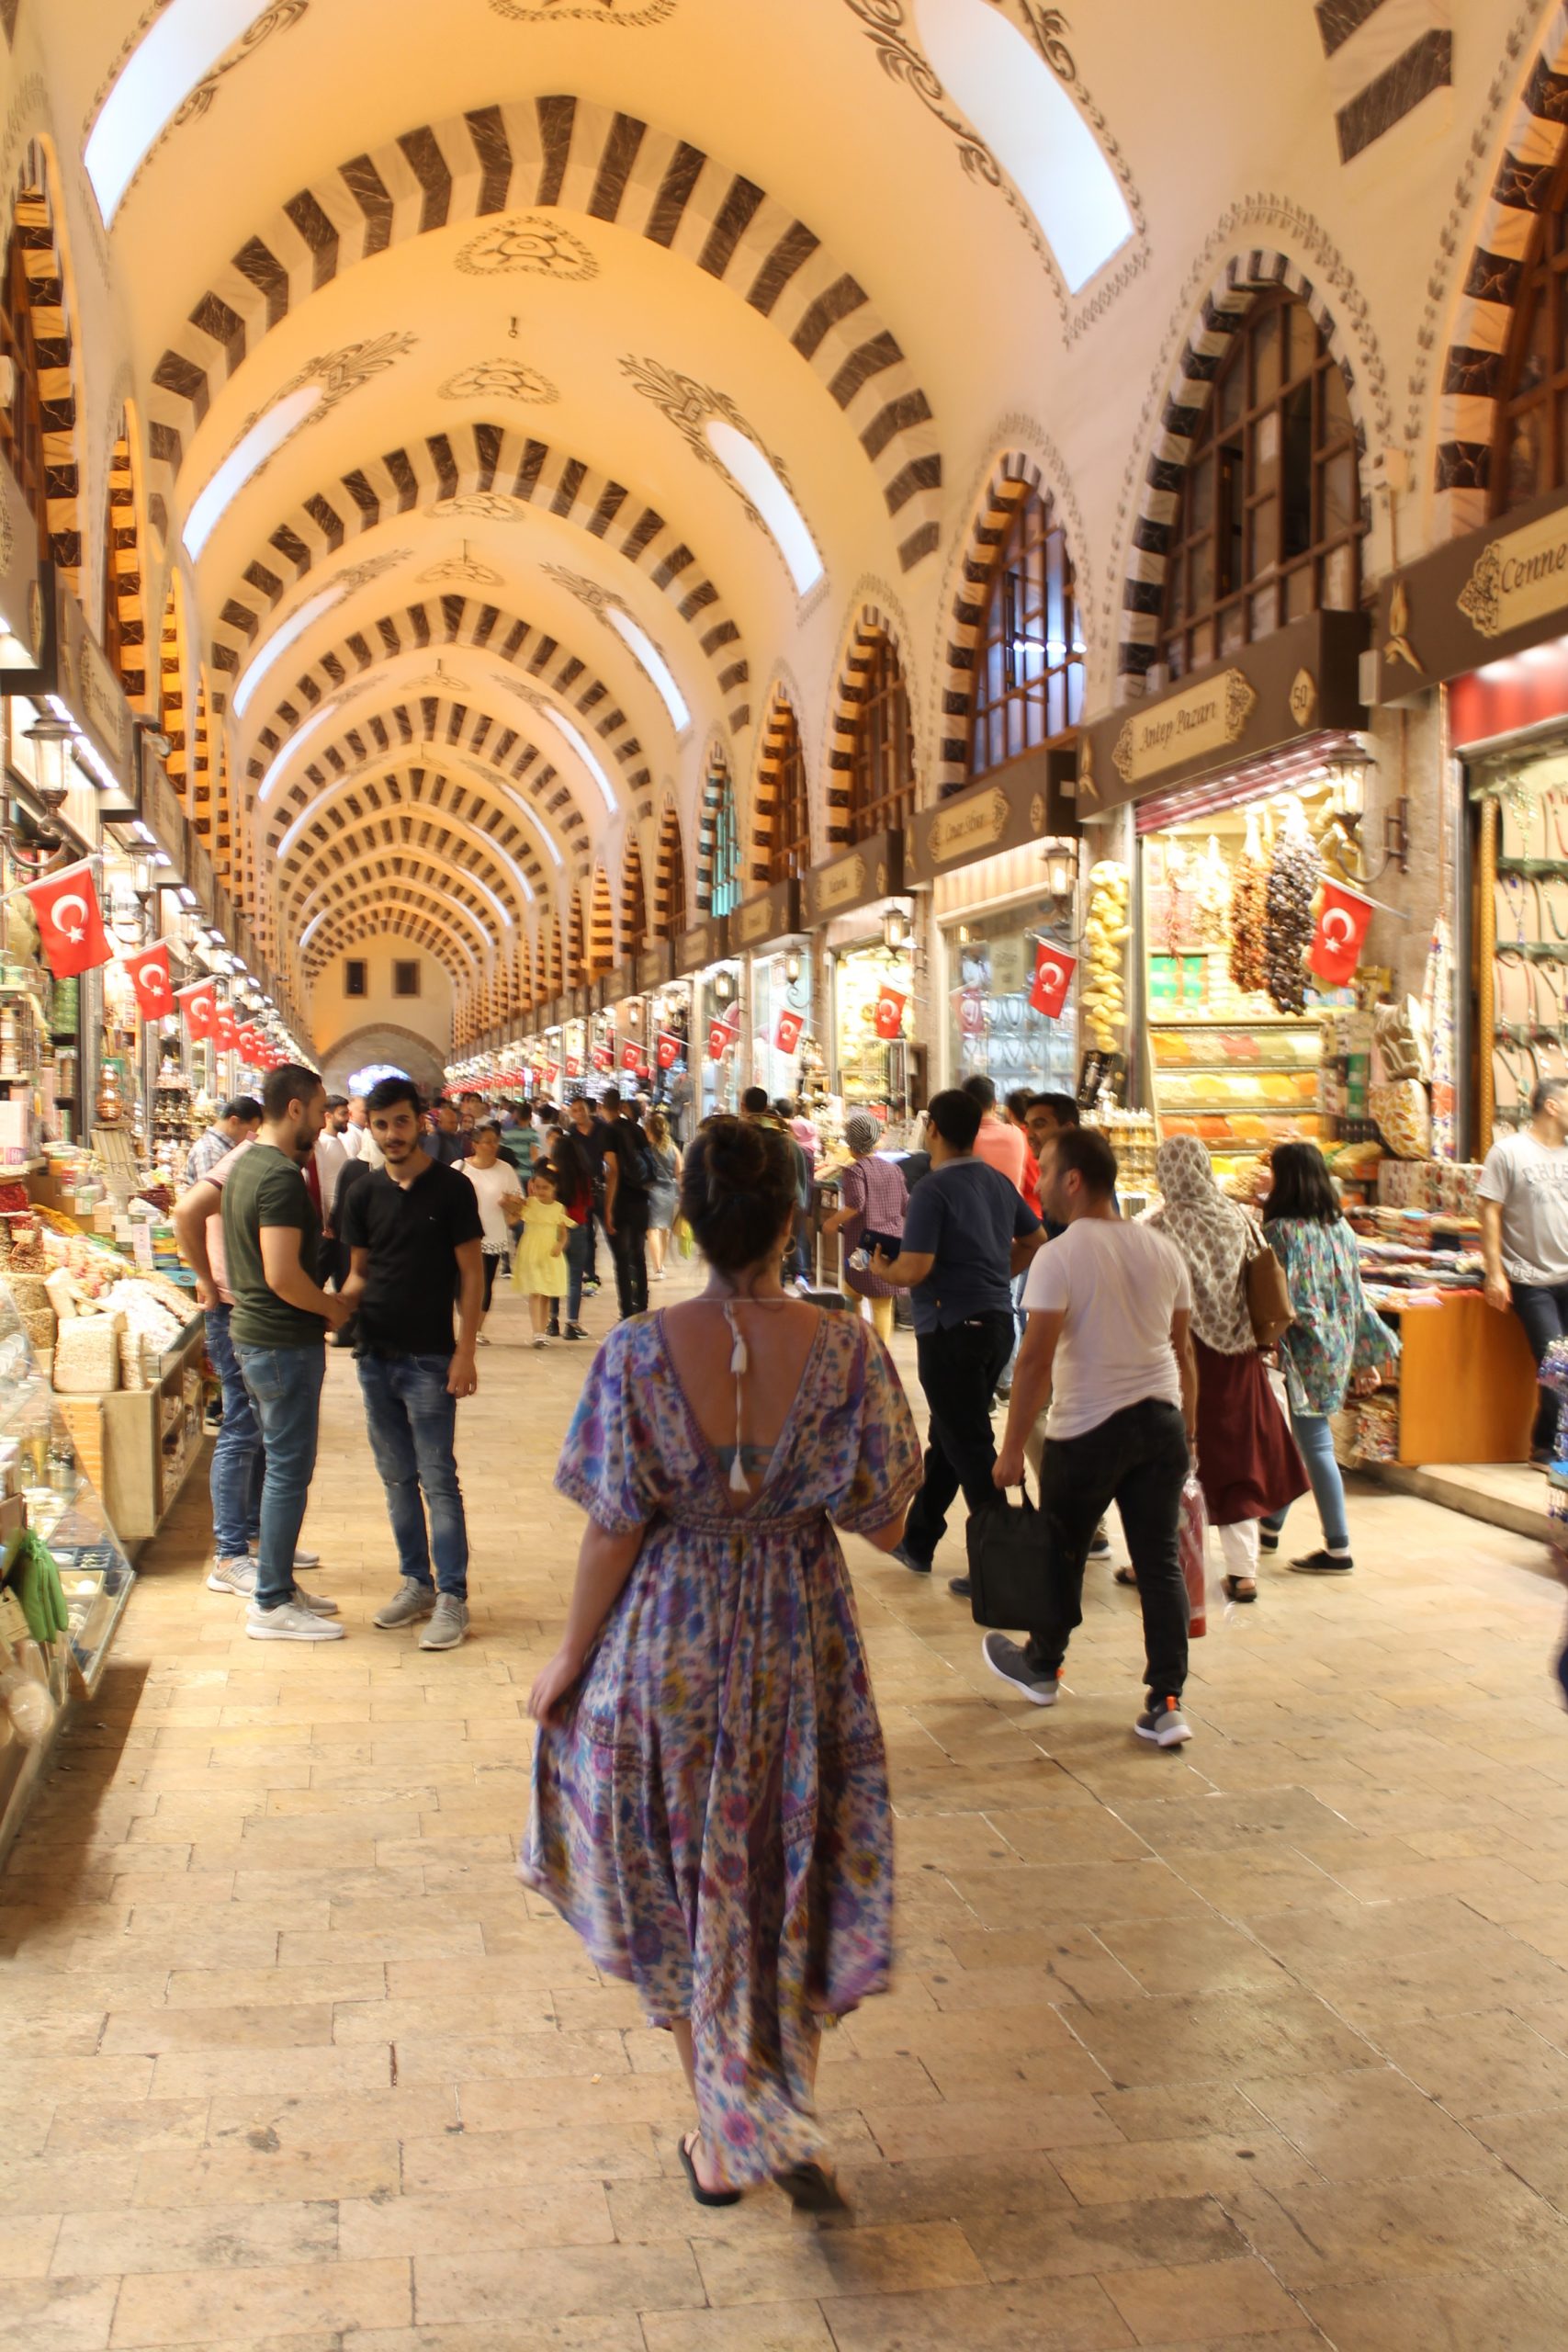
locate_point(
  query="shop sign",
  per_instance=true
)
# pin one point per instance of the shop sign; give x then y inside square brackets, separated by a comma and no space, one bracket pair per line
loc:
[1302,680]
[92,694]
[873,869]
[706,943]
[774,915]
[203,881]
[1477,600]
[616,986]
[1029,799]
[26,606]
[655,967]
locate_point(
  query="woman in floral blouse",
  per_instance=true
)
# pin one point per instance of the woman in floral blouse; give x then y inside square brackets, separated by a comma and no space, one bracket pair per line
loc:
[710,1792]
[1335,1342]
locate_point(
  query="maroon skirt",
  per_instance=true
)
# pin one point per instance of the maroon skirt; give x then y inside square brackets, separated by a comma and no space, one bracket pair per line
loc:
[1248,1464]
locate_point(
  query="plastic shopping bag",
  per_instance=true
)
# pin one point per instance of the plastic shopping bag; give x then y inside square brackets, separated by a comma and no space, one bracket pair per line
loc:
[1193,1536]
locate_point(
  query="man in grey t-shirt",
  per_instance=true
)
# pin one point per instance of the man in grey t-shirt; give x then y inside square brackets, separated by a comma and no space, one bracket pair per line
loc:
[1524,1234]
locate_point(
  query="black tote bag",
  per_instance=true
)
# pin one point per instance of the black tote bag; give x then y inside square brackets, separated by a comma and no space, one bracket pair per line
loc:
[1007,1565]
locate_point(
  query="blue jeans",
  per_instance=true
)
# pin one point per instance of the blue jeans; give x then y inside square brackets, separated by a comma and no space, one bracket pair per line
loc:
[238,1460]
[1315,1436]
[579,1252]
[285,1387]
[413,1422]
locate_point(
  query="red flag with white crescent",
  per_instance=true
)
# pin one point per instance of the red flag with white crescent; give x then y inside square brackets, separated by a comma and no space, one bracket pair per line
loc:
[148,972]
[669,1049]
[786,1036]
[225,1030]
[890,1012]
[1342,923]
[70,923]
[199,1005]
[1053,969]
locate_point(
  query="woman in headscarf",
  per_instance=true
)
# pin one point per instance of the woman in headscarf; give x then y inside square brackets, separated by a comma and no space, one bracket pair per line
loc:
[1248,1462]
[872,1198]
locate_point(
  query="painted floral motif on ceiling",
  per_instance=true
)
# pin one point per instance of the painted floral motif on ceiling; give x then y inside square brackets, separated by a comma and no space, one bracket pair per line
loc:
[584,12]
[525,244]
[338,373]
[481,506]
[280,18]
[462,570]
[890,29]
[500,379]
[688,405]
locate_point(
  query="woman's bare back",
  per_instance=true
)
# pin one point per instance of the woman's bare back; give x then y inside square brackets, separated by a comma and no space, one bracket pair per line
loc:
[778,1335]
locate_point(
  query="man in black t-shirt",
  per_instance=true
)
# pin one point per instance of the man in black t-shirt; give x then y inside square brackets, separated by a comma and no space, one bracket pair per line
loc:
[629,1176]
[413,1232]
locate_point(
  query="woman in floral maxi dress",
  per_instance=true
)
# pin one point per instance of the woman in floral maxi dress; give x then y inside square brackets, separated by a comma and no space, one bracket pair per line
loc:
[710,1792]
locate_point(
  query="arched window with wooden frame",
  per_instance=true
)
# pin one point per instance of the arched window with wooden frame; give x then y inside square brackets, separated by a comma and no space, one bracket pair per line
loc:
[1029,659]
[1270,524]
[784,806]
[634,902]
[882,760]
[1529,454]
[723,829]
[670,876]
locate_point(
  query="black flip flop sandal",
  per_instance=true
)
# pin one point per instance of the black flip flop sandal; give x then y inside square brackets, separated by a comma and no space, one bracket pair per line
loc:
[811,2190]
[1241,1598]
[704,2196]
[1126,1577]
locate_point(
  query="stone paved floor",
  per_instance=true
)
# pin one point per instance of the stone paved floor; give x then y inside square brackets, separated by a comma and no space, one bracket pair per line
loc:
[1264,2043]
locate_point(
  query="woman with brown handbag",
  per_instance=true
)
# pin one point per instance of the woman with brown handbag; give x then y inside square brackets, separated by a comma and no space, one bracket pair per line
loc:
[1248,1462]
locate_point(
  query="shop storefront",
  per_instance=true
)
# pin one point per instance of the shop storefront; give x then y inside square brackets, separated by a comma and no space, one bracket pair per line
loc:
[654,970]
[1481,626]
[1246,786]
[1001,863]
[784,1050]
[855,907]
[703,958]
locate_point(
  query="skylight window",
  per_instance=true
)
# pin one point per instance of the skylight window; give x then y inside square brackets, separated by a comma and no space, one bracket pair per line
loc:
[292,751]
[264,440]
[745,463]
[580,744]
[646,653]
[178,52]
[277,646]
[1036,131]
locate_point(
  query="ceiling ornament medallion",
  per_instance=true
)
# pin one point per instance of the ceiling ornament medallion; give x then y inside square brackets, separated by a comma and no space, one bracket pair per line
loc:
[462,568]
[527,245]
[499,379]
[587,12]
[439,681]
[481,506]
[687,406]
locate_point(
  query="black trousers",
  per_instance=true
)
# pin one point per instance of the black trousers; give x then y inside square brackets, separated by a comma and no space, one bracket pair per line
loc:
[629,1245]
[1138,1459]
[1543,1308]
[959,1370]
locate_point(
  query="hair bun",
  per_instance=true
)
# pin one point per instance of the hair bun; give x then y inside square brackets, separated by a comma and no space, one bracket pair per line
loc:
[738,1191]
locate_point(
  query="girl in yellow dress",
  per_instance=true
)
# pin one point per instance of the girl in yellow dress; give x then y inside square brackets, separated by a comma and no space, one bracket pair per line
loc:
[538,1271]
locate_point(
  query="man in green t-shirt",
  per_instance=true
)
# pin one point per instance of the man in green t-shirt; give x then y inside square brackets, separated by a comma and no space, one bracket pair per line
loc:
[280,1323]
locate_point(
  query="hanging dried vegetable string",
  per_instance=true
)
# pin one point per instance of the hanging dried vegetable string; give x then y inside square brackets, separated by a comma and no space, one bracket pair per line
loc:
[1293,880]
[1249,896]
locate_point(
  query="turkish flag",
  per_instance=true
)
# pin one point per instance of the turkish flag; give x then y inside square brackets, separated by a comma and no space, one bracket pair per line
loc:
[1053,969]
[669,1049]
[199,1004]
[574,1066]
[148,972]
[969,1011]
[70,926]
[786,1036]
[631,1056]
[721,1036]
[225,1030]
[602,1058]
[890,1013]
[253,1045]
[1336,944]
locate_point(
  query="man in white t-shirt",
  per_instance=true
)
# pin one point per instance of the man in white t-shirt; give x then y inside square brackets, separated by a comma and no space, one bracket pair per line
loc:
[1109,1341]
[1524,1236]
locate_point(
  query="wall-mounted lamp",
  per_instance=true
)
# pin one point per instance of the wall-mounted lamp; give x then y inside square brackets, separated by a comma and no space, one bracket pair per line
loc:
[723,985]
[792,966]
[1061,869]
[895,929]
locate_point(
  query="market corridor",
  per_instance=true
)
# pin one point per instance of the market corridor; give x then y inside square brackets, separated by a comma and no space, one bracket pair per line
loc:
[1262,2043]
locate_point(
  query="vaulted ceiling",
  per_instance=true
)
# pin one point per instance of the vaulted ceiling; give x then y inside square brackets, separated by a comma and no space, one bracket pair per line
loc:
[422,316]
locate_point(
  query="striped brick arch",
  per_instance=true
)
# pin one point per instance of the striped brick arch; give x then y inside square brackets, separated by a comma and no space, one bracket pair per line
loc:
[422,811]
[670,876]
[782,723]
[1012,478]
[126,588]
[468,460]
[443,622]
[391,877]
[576,950]
[171,674]
[634,899]
[555,958]
[601,924]
[1469,404]
[870,628]
[456,950]
[1226,305]
[717,778]
[448,872]
[431,795]
[32,224]
[587,161]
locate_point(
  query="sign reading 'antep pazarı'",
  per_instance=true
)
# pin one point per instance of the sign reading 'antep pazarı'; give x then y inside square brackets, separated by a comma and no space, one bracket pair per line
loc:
[1182,726]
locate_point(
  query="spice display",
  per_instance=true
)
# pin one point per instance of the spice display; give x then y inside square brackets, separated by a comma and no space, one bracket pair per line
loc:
[1107,930]
[1288,926]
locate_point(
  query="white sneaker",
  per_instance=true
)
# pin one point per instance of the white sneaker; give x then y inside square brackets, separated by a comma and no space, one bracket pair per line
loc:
[540,1341]
[448,1624]
[292,1622]
[234,1574]
[316,1602]
[1165,1724]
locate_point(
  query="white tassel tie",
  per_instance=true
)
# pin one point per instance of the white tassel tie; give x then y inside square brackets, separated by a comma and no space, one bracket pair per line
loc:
[739,1364]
